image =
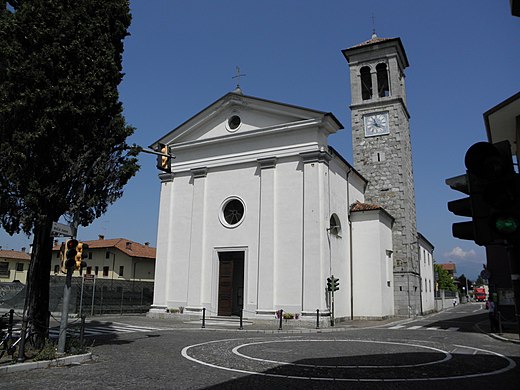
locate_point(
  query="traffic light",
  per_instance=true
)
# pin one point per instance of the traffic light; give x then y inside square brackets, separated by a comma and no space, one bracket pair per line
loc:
[70,253]
[493,188]
[335,284]
[332,283]
[164,160]
[462,207]
[81,253]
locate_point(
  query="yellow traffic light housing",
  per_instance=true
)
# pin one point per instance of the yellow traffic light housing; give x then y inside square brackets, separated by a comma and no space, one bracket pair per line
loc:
[81,253]
[164,160]
[63,258]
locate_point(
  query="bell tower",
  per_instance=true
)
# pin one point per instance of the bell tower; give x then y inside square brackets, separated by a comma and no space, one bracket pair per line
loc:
[382,153]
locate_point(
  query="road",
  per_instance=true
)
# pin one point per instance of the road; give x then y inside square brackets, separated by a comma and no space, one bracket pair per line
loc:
[428,353]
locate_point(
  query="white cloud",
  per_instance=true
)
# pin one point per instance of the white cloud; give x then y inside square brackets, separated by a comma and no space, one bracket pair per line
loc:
[459,253]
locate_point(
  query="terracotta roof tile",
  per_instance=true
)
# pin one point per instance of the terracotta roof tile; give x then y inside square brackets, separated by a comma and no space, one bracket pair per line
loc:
[15,255]
[358,206]
[130,248]
[449,266]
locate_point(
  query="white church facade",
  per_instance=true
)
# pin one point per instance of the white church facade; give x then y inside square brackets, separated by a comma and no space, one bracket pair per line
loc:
[255,217]
[258,211]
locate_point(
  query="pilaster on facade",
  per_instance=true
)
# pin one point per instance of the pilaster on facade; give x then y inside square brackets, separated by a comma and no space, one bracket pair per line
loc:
[164,249]
[267,236]
[166,177]
[316,156]
[197,258]
[315,269]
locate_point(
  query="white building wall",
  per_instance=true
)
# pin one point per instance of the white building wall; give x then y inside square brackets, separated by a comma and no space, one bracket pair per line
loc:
[290,185]
[288,235]
[339,244]
[371,235]
[427,278]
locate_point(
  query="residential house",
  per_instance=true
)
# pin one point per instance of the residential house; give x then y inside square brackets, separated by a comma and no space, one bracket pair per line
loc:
[14,265]
[113,259]
[427,274]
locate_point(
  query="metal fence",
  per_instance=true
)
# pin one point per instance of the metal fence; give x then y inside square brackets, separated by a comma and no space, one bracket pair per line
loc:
[89,297]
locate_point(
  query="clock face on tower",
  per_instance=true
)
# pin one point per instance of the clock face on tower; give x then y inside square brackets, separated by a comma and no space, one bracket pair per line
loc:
[376,124]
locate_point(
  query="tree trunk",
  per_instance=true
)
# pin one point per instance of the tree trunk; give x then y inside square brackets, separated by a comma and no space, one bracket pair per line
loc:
[38,280]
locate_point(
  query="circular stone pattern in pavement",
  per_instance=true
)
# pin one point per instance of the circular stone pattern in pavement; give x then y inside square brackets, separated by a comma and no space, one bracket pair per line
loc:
[347,359]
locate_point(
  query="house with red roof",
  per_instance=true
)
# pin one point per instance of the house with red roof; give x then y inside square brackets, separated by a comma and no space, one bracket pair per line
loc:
[14,265]
[113,259]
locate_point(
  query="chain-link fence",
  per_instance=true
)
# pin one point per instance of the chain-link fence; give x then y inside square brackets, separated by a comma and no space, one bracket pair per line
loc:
[87,296]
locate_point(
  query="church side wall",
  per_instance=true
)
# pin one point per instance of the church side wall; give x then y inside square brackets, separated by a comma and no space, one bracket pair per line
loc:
[339,244]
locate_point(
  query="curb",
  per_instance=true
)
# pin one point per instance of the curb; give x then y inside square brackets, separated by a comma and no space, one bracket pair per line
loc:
[496,336]
[297,330]
[501,338]
[64,361]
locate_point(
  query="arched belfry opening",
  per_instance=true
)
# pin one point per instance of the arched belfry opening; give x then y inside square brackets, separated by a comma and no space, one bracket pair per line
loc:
[366,83]
[383,87]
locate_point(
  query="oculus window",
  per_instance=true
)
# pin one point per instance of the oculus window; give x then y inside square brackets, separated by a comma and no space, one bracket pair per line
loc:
[232,212]
[233,123]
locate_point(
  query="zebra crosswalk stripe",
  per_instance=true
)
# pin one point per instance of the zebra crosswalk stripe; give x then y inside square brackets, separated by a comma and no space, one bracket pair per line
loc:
[397,327]
[103,330]
[416,327]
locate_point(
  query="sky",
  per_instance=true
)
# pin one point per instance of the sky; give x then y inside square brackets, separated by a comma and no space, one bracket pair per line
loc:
[182,55]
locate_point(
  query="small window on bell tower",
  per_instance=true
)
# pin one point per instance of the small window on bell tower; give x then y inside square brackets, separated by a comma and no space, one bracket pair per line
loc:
[382,81]
[366,83]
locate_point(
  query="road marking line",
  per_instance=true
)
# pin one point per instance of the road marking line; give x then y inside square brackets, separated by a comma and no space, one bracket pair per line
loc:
[415,327]
[135,326]
[397,327]
[186,355]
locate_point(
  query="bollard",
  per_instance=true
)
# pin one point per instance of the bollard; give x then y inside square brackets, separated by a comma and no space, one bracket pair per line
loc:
[23,332]
[241,317]
[203,317]
[10,325]
[281,319]
[317,318]
[82,330]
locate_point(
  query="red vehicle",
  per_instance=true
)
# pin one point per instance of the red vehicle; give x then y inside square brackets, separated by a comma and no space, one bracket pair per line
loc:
[480,294]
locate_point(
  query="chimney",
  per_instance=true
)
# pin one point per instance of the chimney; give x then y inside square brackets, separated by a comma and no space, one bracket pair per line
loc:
[146,243]
[23,249]
[101,237]
[55,242]
[129,245]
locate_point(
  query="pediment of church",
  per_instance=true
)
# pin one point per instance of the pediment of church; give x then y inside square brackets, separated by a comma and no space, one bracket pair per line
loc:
[236,115]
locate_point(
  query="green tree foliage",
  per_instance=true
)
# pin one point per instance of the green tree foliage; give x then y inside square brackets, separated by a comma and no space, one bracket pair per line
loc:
[62,133]
[480,282]
[463,283]
[444,279]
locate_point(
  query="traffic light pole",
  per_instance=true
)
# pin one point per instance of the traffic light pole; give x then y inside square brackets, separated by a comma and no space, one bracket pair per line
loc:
[515,279]
[65,310]
[332,319]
